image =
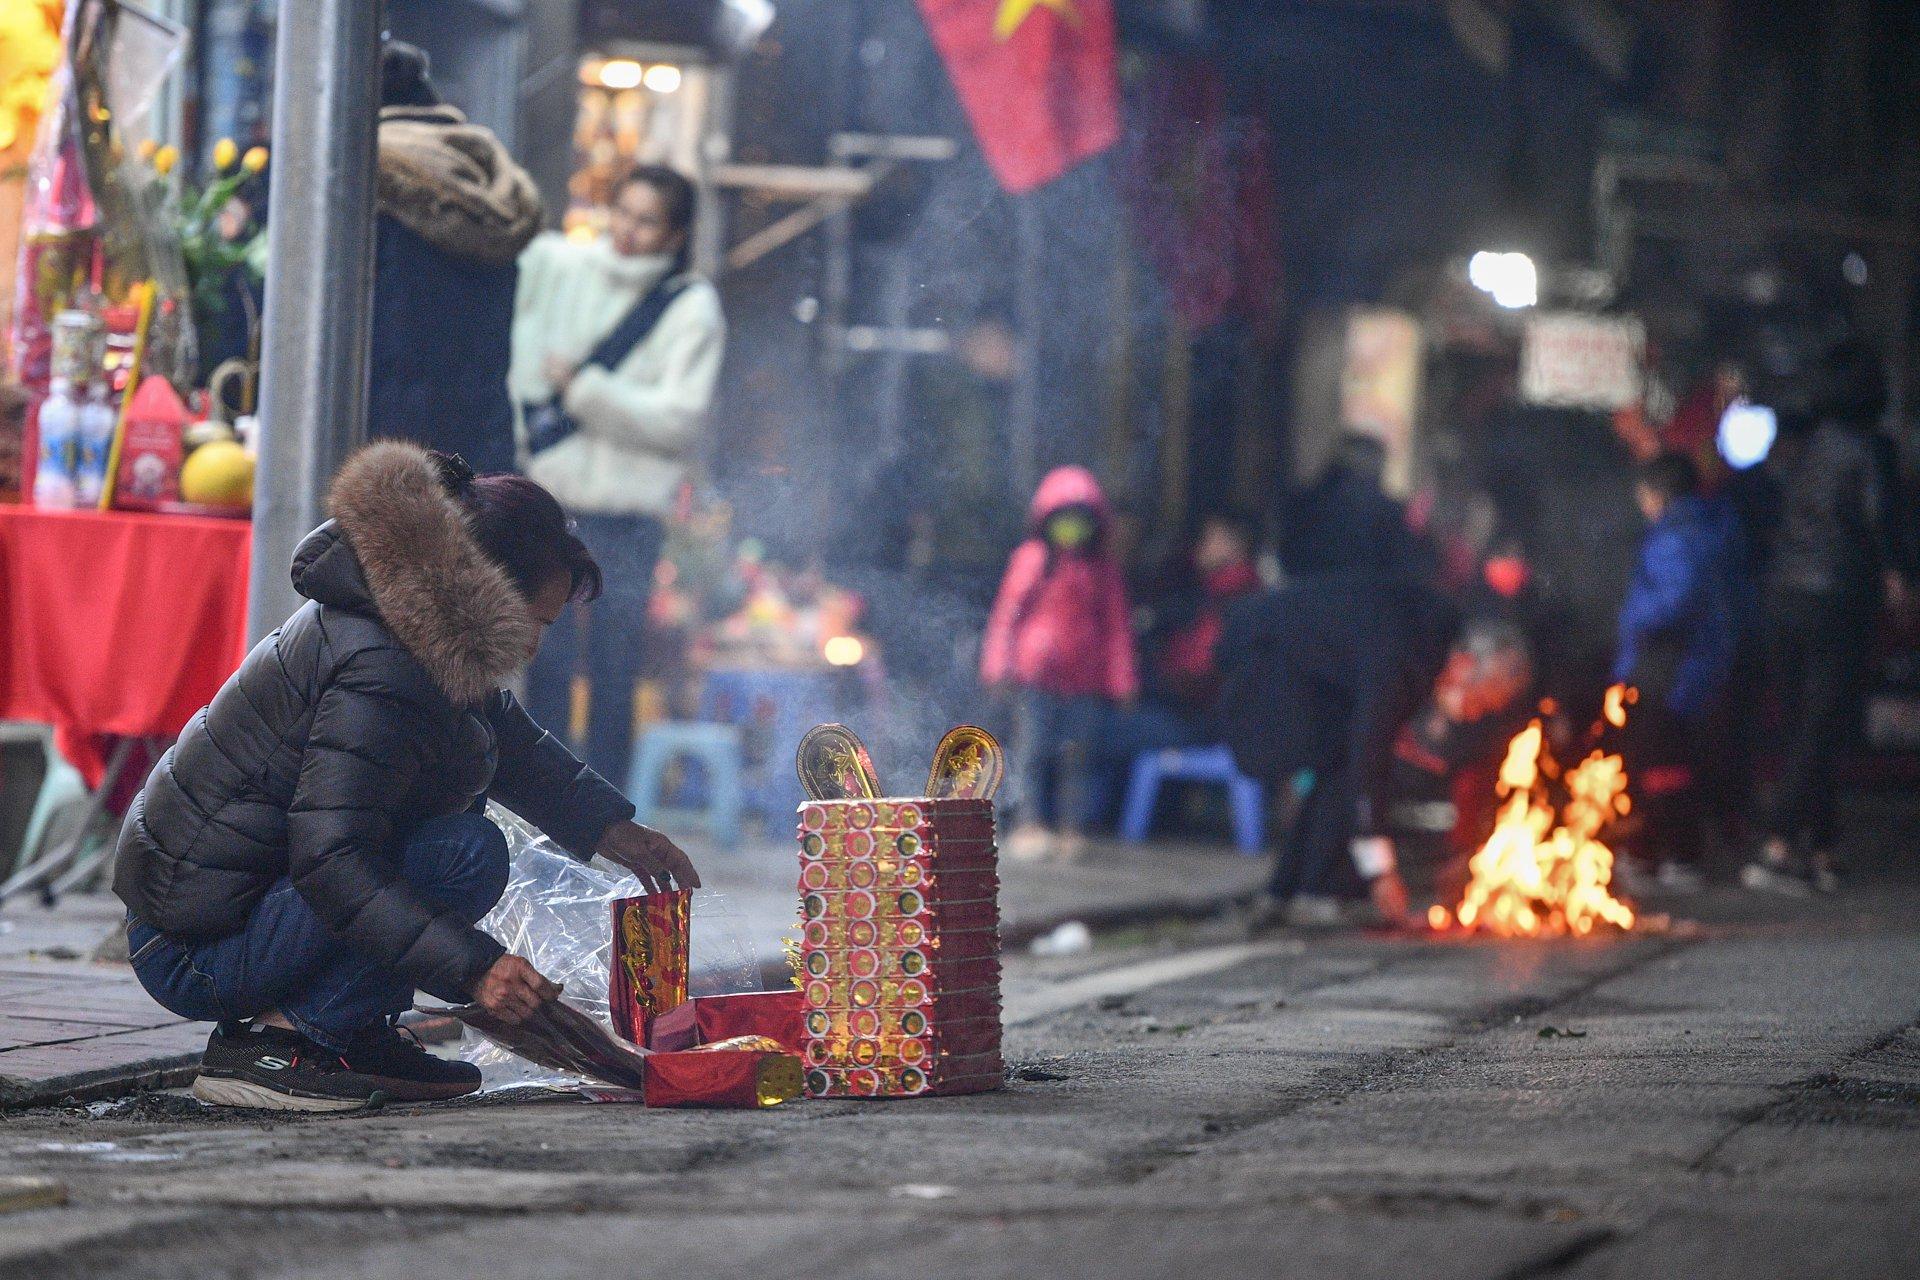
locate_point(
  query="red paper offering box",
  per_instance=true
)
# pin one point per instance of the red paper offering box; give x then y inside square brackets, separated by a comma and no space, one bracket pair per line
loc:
[900,947]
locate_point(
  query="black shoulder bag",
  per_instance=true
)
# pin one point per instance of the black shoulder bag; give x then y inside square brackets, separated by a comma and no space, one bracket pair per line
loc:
[548,424]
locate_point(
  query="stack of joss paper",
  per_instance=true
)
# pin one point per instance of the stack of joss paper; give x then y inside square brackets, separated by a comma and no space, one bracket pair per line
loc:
[900,947]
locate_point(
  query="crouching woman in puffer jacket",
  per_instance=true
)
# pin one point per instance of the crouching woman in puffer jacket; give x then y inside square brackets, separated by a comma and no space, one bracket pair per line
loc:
[315,846]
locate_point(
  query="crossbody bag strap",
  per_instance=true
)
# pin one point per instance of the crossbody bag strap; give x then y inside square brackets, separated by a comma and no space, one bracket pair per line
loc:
[636,324]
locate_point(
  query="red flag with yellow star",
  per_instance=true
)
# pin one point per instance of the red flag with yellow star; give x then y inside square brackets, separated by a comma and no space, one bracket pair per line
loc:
[1036,77]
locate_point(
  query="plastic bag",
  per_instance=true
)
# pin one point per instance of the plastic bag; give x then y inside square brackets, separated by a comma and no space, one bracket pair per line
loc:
[557,913]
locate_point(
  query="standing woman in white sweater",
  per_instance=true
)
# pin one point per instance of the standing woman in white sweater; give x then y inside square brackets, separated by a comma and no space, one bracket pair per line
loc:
[616,347]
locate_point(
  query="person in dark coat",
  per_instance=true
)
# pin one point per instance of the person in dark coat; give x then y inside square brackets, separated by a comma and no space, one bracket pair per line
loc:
[454,213]
[1834,554]
[1346,522]
[315,846]
[1679,628]
[1322,676]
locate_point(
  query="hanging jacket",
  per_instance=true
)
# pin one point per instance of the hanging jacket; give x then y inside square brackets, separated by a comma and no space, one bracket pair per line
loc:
[1060,623]
[454,213]
[1679,622]
[376,707]
[641,422]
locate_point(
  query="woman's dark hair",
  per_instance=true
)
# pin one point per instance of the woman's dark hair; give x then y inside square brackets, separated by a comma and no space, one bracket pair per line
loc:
[676,193]
[522,528]
[406,76]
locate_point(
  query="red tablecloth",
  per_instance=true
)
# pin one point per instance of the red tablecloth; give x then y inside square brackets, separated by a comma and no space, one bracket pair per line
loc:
[117,624]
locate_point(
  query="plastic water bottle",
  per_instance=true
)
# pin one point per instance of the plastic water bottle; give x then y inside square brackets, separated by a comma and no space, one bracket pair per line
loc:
[59,440]
[95,443]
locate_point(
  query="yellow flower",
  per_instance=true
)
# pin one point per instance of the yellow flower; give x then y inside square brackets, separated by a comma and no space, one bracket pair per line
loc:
[225,152]
[29,52]
[165,158]
[255,160]
[146,148]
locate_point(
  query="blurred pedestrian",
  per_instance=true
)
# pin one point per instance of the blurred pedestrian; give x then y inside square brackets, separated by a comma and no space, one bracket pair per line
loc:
[454,213]
[315,846]
[1346,522]
[616,349]
[1320,677]
[1677,637]
[1833,560]
[1059,640]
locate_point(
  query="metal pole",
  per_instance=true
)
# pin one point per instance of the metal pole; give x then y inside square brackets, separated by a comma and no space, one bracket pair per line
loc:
[313,386]
[1025,404]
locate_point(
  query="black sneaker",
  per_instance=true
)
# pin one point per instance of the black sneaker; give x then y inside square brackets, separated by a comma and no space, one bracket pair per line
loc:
[274,1069]
[402,1068]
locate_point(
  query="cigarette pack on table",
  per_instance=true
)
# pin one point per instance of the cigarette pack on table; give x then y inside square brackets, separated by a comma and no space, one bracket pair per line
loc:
[899,947]
[648,976]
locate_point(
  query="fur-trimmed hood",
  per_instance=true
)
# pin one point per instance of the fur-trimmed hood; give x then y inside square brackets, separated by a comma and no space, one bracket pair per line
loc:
[454,185]
[399,547]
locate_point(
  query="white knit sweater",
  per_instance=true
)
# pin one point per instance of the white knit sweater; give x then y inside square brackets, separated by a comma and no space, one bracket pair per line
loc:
[639,423]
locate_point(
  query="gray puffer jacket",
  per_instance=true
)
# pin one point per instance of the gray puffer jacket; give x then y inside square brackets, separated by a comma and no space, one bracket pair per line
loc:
[376,707]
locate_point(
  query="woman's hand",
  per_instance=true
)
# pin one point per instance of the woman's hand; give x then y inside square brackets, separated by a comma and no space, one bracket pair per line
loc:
[560,371]
[656,860]
[513,990]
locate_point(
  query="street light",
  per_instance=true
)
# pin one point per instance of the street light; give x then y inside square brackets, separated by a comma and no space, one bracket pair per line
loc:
[1509,277]
[663,77]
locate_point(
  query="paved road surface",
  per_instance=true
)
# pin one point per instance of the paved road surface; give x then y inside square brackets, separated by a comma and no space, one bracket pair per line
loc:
[1741,1099]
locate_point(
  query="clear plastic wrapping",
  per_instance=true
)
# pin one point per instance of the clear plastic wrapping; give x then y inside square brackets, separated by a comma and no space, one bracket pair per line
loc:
[557,914]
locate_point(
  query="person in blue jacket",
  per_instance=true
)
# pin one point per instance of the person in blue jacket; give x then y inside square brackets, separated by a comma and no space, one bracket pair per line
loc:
[1678,630]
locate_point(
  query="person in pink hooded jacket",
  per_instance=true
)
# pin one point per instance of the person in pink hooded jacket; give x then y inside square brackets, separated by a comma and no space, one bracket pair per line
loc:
[1060,640]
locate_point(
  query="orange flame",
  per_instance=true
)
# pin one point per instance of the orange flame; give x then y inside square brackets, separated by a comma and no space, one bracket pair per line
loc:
[1542,872]
[1619,698]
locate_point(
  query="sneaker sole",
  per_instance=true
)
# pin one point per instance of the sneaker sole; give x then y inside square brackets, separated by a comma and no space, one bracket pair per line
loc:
[398,1090]
[227,1091]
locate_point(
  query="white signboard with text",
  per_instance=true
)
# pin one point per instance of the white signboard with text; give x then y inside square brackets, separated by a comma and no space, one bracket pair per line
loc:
[1570,360]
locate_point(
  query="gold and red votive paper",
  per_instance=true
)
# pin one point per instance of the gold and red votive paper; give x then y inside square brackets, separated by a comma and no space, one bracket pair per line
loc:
[712,1051]
[648,976]
[900,947]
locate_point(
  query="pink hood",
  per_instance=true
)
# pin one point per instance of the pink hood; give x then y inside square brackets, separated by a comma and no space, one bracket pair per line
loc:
[1067,487]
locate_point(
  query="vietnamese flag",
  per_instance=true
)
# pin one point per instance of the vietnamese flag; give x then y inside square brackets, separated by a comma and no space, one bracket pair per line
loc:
[1036,77]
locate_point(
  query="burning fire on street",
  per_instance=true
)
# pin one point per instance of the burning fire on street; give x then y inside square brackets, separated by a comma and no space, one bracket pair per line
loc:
[1544,871]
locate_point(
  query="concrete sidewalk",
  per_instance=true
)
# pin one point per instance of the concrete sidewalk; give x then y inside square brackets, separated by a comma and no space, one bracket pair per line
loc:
[71,1027]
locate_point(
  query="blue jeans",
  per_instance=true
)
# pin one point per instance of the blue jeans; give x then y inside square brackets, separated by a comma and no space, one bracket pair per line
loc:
[1053,738]
[607,650]
[287,959]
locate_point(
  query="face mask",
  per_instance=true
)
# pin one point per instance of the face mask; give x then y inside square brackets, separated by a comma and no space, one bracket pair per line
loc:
[1070,531]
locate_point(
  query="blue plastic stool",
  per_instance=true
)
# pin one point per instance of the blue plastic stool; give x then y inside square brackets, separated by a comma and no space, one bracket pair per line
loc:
[716,746]
[1246,799]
